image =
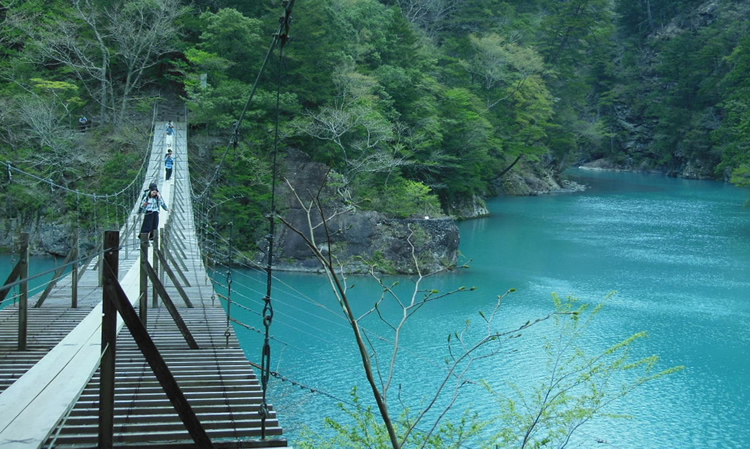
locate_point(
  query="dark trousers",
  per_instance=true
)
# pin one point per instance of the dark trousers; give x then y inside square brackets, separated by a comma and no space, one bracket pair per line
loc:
[150,223]
[169,173]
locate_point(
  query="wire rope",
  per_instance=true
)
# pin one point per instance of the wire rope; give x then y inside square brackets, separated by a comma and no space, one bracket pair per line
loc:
[11,169]
[51,270]
[340,322]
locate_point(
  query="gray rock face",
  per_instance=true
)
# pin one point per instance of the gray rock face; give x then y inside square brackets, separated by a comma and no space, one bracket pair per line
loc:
[54,238]
[355,239]
[44,239]
[473,208]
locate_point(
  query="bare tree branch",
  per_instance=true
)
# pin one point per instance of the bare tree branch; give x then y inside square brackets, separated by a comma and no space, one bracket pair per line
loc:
[428,15]
[380,373]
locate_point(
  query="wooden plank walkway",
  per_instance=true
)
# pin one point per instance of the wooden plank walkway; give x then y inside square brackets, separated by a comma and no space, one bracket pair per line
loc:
[49,394]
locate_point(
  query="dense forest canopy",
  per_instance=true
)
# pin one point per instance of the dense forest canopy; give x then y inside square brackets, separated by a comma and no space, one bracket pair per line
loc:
[419,106]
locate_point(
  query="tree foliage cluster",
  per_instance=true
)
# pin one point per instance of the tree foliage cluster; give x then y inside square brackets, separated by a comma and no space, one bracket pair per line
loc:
[60,60]
[416,103]
[682,75]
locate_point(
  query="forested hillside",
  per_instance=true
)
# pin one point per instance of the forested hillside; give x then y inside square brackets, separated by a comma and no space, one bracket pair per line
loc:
[420,106]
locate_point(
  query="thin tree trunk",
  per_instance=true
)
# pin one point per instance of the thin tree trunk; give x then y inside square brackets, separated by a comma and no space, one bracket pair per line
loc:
[103,98]
[650,16]
[509,167]
[366,363]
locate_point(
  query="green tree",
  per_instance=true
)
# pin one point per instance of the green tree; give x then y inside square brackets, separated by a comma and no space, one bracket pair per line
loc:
[511,77]
[110,49]
[367,430]
[570,28]
[365,147]
[733,136]
[321,43]
[242,199]
[467,140]
[237,39]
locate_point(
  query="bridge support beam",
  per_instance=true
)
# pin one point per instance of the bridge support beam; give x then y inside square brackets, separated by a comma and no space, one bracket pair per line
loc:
[159,255]
[109,341]
[143,301]
[159,367]
[23,303]
[162,292]
[55,277]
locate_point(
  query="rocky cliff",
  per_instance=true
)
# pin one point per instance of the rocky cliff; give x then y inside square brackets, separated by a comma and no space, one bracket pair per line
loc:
[45,238]
[356,239]
[670,94]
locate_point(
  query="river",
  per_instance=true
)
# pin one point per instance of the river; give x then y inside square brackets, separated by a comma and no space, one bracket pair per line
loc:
[676,252]
[41,270]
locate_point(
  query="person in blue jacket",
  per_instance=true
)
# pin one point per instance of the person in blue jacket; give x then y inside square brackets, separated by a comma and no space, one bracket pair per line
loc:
[83,123]
[168,164]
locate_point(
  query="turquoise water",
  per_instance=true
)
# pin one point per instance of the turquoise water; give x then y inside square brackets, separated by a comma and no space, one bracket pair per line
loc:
[38,268]
[677,253]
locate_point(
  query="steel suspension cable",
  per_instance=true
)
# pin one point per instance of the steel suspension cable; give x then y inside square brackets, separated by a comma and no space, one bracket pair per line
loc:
[283,38]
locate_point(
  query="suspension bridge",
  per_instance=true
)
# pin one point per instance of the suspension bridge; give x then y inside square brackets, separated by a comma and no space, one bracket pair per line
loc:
[132,348]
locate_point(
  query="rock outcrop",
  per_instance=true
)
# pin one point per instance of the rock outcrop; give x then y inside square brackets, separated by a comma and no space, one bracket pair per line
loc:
[533,179]
[44,238]
[355,239]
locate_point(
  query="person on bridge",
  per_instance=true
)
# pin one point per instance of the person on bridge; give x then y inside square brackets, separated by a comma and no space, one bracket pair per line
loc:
[83,123]
[168,164]
[150,205]
[169,131]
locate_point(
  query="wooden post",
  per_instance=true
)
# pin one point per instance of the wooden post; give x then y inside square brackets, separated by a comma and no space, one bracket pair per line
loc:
[23,304]
[155,264]
[74,275]
[143,301]
[160,369]
[110,269]
[100,263]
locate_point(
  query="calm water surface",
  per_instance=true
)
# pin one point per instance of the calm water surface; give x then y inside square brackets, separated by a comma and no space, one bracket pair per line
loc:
[38,268]
[676,252]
